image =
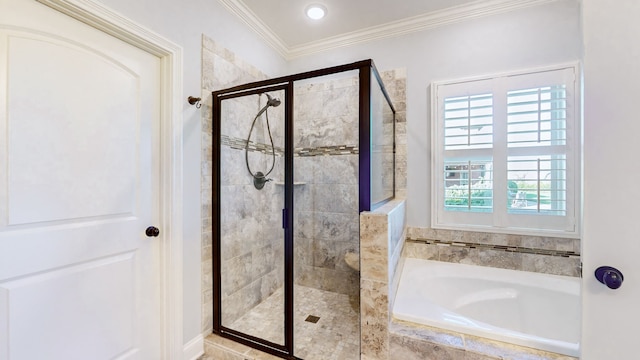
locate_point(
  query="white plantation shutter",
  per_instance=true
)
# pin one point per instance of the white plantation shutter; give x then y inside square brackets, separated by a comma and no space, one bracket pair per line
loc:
[468,126]
[468,122]
[506,153]
[541,184]
[537,116]
[469,186]
[537,121]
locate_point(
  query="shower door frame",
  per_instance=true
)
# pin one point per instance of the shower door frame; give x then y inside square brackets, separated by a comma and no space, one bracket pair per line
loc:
[286,83]
[250,340]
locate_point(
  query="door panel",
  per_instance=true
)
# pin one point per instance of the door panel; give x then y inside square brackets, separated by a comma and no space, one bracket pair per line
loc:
[77,297]
[95,150]
[79,123]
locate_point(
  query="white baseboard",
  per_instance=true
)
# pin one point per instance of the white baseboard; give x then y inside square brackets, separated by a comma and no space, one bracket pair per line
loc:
[193,349]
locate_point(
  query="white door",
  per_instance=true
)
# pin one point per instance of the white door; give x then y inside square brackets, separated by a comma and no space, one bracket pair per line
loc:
[611,178]
[79,279]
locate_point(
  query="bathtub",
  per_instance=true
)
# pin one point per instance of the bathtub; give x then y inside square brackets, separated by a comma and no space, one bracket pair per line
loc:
[523,308]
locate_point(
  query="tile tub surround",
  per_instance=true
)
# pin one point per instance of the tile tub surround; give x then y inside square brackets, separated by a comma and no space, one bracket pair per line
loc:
[549,255]
[411,341]
[381,238]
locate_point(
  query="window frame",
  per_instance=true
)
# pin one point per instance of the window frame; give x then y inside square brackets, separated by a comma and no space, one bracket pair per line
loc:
[500,220]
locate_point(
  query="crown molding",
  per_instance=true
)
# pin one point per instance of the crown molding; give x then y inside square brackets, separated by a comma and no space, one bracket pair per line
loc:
[473,10]
[238,8]
[413,24]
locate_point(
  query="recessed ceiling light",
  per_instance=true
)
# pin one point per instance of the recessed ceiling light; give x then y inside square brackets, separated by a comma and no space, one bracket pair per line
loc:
[316,11]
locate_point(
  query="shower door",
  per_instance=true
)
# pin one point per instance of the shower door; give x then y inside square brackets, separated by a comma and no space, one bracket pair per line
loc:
[249,140]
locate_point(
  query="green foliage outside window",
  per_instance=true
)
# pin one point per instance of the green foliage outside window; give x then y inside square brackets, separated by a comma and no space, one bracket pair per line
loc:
[481,195]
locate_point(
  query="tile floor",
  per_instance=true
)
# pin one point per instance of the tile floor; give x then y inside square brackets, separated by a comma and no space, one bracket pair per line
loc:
[335,336]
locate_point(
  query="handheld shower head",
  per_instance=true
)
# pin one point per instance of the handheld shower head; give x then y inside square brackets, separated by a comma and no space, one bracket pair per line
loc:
[259,179]
[273,101]
[270,102]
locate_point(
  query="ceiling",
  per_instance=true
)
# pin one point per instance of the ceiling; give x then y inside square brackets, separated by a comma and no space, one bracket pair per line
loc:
[287,19]
[284,25]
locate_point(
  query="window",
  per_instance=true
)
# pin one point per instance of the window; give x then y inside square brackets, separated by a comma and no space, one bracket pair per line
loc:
[506,153]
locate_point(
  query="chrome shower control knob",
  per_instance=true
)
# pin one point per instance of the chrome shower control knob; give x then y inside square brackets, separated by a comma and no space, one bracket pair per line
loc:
[609,276]
[152,231]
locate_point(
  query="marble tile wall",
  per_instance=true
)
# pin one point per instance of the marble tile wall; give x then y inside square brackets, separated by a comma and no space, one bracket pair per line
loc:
[382,137]
[326,199]
[251,218]
[381,234]
[549,255]
[326,114]
[326,111]
[251,237]
[395,82]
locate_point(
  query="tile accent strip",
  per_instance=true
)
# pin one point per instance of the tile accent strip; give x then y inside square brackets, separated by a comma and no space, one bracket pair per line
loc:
[327,150]
[240,144]
[512,249]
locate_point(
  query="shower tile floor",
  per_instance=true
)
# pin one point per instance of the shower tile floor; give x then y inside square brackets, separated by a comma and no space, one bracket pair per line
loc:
[336,335]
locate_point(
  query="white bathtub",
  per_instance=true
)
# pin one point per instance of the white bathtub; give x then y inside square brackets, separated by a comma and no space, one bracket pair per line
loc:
[523,308]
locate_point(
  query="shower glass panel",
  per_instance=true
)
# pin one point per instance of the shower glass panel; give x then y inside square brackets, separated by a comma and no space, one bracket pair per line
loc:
[252,199]
[326,217]
[382,144]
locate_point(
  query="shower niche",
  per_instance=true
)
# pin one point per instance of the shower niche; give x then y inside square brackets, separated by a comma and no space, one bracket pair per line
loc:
[296,159]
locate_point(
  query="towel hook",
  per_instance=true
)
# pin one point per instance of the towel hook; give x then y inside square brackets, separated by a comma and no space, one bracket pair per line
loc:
[195,101]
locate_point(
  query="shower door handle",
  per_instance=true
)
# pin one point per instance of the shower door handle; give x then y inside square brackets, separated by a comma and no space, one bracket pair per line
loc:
[285,223]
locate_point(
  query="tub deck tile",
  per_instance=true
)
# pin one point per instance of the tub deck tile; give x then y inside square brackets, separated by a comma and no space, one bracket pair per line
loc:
[428,342]
[404,347]
[424,333]
[509,351]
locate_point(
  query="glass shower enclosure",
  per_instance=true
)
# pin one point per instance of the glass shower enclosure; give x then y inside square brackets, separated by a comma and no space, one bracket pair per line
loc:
[296,159]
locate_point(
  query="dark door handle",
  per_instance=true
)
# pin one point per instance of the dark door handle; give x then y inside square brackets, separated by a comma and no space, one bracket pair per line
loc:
[152,231]
[609,276]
